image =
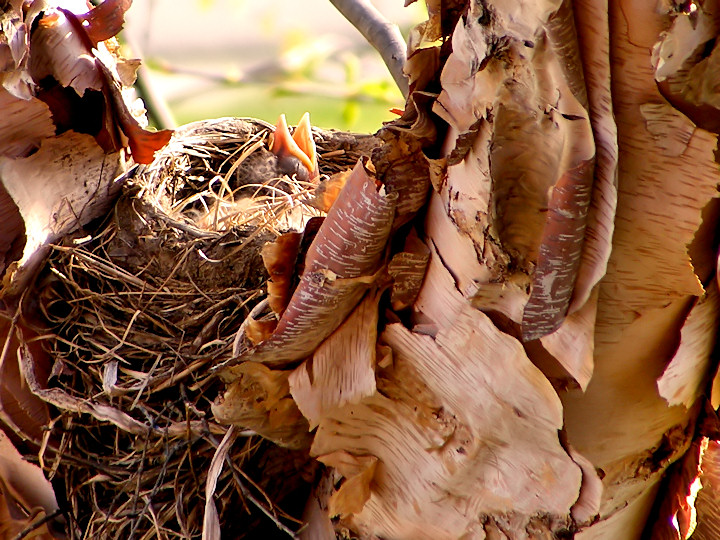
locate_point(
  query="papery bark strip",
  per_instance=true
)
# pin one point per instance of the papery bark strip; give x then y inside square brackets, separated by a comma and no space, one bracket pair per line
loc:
[340,266]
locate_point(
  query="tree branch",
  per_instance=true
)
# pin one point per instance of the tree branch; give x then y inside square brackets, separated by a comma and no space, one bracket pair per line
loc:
[384,36]
[157,108]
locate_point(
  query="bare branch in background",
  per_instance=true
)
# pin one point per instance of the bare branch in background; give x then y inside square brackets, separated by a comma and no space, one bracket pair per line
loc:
[155,104]
[384,36]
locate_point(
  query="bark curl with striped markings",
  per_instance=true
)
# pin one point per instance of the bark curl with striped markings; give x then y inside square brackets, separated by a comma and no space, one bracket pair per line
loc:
[339,267]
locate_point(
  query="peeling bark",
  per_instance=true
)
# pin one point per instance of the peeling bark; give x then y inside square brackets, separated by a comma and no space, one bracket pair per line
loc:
[506,325]
[79,189]
[451,436]
[342,369]
[685,378]
[340,267]
[26,497]
[708,499]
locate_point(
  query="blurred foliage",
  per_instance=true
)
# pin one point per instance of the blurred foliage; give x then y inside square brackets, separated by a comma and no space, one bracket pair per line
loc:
[265,102]
[302,71]
[353,104]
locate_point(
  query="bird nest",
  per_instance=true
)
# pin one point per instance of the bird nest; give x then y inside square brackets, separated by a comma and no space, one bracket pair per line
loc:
[139,307]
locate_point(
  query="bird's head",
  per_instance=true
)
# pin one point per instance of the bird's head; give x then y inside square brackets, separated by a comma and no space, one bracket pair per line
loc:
[295,153]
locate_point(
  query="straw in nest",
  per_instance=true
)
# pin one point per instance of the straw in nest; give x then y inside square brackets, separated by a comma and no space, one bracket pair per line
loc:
[138,307]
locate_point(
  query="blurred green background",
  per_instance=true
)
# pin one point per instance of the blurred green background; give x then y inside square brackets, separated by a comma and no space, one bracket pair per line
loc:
[213,58]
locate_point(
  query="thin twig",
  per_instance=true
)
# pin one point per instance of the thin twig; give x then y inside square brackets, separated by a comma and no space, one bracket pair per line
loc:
[260,506]
[181,226]
[241,331]
[27,531]
[384,36]
[222,453]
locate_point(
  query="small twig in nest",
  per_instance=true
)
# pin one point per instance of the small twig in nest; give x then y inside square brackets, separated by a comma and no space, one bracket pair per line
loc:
[184,227]
[259,308]
[27,531]
[211,524]
[136,319]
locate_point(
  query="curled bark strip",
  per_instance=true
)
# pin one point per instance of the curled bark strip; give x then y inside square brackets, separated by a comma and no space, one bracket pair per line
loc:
[587,506]
[401,166]
[562,34]
[416,119]
[12,234]
[520,155]
[353,236]
[674,515]
[20,410]
[685,377]
[686,60]
[429,43]
[572,344]
[342,370]
[708,500]
[561,243]
[60,48]
[594,41]
[105,20]
[27,498]
[560,252]
[340,266]
[143,143]
[279,258]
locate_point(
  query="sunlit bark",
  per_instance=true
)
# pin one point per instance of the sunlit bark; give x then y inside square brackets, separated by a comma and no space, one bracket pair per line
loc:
[504,327]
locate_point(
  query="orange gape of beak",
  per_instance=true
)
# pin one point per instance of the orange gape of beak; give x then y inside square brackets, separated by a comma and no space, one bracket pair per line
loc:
[300,146]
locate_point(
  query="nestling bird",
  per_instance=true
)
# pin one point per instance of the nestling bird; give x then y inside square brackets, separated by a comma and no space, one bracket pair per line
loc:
[296,154]
[286,156]
[262,173]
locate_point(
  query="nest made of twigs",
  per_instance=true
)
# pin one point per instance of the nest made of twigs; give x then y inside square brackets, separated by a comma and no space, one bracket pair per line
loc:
[138,307]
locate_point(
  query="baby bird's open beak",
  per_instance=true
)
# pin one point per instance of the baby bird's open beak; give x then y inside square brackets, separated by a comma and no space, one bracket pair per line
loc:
[300,147]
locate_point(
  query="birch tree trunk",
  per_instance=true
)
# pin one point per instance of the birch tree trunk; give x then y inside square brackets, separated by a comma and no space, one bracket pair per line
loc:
[560,349]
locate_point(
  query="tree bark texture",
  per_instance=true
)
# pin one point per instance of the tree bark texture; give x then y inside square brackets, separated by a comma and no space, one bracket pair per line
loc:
[571,284]
[505,326]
